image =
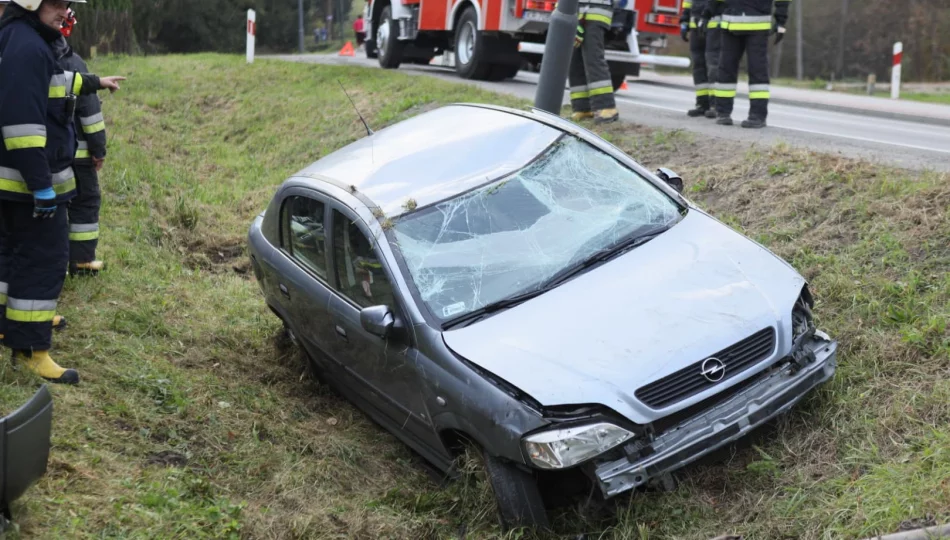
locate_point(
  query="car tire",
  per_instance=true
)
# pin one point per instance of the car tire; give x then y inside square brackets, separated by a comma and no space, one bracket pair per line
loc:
[501,72]
[469,48]
[517,497]
[388,46]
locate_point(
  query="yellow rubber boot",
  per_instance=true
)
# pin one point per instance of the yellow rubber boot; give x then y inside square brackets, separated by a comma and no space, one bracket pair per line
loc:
[606,115]
[581,115]
[59,322]
[87,268]
[44,366]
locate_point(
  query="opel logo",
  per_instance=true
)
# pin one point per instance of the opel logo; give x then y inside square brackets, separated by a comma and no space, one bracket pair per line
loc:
[713,369]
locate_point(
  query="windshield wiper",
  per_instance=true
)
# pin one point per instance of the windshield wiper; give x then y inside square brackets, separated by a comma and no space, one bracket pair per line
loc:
[603,255]
[493,307]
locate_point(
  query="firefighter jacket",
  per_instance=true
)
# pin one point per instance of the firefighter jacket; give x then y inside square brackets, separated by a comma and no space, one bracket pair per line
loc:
[36,106]
[89,124]
[601,11]
[753,15]
[693,11]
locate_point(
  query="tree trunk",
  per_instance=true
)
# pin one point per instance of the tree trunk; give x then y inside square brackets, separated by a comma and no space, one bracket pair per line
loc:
[843,23]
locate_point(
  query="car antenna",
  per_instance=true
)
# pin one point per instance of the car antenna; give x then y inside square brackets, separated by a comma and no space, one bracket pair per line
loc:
[368,130]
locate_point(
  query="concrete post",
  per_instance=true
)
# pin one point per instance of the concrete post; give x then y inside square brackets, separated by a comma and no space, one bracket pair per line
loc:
[300,25]
[558,48]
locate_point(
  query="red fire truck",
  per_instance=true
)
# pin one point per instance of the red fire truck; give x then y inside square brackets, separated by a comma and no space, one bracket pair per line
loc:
[494,39]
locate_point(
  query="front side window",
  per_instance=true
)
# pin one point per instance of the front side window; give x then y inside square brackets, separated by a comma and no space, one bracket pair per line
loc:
[512,235]
[303,233]
[360,275]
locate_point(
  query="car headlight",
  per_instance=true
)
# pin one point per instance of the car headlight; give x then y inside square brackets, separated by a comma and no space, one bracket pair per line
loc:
[561,448]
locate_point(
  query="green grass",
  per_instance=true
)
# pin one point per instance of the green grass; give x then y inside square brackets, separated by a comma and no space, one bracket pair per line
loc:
[195,419]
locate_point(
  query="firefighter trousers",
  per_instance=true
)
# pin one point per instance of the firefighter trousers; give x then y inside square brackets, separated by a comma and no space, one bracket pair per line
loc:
[589,75]
[756,47]
[84,215]
[34,255]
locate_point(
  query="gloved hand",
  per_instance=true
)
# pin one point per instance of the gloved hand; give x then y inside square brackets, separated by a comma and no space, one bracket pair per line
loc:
[780,34]
[684,31]
[44,205]
[579,36]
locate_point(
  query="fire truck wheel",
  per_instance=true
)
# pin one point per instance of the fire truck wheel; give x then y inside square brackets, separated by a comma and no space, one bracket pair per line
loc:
[501,72]
[388,46]
[469,48]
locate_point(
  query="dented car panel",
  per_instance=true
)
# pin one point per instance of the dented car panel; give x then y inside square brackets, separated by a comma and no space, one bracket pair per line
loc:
[774,392]
[555,292]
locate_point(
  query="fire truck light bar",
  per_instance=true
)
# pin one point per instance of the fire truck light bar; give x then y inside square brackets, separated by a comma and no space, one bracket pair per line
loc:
[540,6]
[665,20]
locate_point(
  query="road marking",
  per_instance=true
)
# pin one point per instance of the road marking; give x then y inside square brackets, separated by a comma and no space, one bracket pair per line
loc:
[813,132]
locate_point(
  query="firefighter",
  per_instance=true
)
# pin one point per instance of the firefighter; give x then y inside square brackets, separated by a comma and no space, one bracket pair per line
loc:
[704,46]
[90,129]
[37,101]
[592,92]
[746,27]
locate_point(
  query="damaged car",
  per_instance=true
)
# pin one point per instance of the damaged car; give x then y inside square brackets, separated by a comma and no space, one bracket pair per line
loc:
[505,280]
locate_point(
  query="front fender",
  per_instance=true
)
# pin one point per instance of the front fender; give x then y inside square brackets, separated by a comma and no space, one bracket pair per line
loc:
[25,445]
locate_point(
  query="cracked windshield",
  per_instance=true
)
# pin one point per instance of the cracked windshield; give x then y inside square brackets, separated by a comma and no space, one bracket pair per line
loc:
[512,235]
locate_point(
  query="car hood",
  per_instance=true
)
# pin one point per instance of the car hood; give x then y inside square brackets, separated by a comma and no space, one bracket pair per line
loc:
[685,295]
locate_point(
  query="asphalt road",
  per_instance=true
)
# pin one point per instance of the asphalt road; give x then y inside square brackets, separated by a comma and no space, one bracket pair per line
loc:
[902,143]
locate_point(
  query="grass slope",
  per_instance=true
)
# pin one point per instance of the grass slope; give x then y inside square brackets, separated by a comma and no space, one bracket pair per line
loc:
[194,419]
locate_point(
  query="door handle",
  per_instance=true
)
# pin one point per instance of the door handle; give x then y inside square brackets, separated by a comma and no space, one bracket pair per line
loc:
[340,331]
[284,291]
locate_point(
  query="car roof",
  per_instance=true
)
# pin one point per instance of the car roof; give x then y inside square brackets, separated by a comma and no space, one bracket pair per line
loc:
[435,155]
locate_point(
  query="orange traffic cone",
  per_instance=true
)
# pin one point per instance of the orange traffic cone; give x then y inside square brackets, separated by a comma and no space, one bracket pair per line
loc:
[347,49]
[624,86]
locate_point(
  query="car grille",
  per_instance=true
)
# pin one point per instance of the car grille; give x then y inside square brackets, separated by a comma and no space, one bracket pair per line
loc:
[690,381]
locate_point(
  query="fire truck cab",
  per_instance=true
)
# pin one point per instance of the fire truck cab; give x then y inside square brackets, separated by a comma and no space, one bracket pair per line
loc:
[494,39]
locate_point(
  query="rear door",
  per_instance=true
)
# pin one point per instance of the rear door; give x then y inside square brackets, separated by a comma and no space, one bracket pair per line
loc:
[303,283]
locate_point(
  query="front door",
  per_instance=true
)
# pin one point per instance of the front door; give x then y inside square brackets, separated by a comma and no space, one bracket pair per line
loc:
[384,368]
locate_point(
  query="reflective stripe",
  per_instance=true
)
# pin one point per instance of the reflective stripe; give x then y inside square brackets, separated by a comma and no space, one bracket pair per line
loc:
[598,18]
[601,91]
[580,95]
[30,310]
[81,232]
[758,88]
[579,88]
[76,82]
[713,24]
[82,151]
[3,293]
[93,124]
[725,90]
[747,18]
[12,180]
[692,24]
[57,86]
[746,27]
[24,136]
[705,92]
[4,287]
[687,4]
[759,95]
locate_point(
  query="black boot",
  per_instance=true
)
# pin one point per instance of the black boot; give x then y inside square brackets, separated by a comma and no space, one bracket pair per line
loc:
[702,105]
[724,120]
[754,123]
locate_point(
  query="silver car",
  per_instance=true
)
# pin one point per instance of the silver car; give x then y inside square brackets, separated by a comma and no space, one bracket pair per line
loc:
[504,280]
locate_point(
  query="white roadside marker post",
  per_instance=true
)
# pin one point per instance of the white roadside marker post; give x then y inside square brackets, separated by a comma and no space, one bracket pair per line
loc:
[251,32]
[896,70]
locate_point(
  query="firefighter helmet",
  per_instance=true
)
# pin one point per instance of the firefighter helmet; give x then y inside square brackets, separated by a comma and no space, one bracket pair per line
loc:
[33,5]
[69,23]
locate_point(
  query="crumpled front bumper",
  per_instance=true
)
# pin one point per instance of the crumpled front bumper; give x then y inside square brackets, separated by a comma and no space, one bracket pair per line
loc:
[722,424]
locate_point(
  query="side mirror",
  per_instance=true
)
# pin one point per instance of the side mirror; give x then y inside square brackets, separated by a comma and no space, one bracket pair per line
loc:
[670,178]
[377,320]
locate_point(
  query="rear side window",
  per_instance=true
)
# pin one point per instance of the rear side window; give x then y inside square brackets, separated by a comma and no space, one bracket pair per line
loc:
[303,236]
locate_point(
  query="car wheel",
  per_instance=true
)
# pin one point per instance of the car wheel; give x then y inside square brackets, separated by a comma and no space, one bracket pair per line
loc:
[501,72]
[388,46]
[469,48]
[517,497]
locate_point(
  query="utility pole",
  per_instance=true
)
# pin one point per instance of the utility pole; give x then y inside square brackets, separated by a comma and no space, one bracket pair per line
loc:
[799,8]
[300,25]
[557,57]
